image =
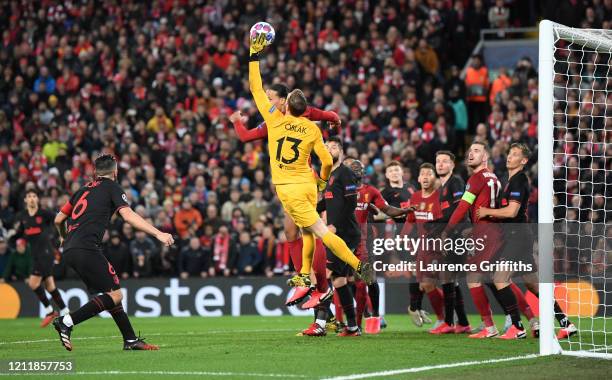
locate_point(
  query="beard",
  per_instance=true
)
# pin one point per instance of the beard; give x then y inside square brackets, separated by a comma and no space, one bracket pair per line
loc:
[335,159]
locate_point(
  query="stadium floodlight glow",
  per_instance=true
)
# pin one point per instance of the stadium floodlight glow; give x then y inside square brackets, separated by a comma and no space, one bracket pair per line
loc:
[573,109]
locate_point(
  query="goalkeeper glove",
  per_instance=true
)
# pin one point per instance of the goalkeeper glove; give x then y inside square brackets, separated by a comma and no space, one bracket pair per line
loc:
[257,45]
[321,184]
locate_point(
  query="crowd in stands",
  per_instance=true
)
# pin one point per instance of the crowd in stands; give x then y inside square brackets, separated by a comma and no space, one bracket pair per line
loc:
[154,83]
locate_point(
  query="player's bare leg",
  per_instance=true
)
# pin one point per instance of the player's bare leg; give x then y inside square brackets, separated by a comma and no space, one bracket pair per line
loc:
[481,301]
[339,248]
[110,301]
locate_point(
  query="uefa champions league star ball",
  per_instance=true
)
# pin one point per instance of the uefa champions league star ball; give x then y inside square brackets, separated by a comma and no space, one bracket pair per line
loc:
[265,28]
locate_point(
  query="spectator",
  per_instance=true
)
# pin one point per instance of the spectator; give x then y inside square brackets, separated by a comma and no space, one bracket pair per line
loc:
[248,255]
[501,83]
[19,265]
[142,250]
[159,122]
[256,207]
[499,15]
[118,254]
[477,85]
[223,252]
[5,254]
[194,260]
[228,207]
[187,220]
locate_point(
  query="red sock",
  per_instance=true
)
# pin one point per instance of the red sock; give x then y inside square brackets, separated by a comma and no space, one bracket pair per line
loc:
[361,295]
[295,251]
[482,304]
[338,305]
[521,301]
[437,302]
[318,265]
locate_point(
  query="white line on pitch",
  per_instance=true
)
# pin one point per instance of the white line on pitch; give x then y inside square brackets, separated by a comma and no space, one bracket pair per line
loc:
[161,373]
[428,368]
[189,333]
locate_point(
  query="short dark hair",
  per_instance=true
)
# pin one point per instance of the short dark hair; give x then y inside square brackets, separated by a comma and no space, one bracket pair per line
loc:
[525,151]
[281,90]
[297,103]
[31,190]
[446,153]
[393,163]
[427,165]
[105,165]
[337,140]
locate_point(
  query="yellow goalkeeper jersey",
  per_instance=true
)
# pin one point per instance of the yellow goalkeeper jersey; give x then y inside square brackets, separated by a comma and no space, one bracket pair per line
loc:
[290,139]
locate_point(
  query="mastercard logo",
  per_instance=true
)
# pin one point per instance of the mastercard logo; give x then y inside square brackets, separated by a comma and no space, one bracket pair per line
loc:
[10,303]
[577,298]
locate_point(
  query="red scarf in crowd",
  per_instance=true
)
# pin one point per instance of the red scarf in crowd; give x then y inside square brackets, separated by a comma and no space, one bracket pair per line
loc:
[221,252]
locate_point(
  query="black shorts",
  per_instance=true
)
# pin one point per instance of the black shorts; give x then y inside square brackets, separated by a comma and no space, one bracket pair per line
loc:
[518,246]
[42,264]
[93,268]
[338,267]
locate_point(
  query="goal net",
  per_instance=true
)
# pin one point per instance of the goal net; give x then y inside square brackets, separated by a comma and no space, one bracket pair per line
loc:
[575,187]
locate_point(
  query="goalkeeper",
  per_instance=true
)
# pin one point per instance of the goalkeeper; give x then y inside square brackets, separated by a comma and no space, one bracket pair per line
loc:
[291,139]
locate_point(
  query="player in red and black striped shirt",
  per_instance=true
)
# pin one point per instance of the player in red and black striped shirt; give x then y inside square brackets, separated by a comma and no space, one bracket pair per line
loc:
[81,224]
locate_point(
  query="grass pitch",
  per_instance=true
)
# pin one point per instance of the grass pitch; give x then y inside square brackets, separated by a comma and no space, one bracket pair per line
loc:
[257,347]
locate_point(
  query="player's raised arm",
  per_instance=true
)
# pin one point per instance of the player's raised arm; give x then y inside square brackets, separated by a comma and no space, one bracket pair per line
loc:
[244,134]
[265,107]
[316,114]
[139,223]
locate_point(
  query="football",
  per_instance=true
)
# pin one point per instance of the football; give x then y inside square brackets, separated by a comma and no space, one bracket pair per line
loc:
[265,28]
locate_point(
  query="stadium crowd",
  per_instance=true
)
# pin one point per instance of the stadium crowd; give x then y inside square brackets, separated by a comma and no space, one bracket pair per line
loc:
[154,84]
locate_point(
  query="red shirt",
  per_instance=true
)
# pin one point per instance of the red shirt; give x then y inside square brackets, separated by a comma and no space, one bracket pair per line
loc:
[485,187]
[367,195]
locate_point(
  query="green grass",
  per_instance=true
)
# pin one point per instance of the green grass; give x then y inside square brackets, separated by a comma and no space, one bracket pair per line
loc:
[241,347]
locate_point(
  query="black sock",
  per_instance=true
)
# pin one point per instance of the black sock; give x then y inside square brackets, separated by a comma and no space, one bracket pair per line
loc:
[346,299]
[416,296]
[374,293]
[40,293]
[57,298]
[92,308]
[508,300]
[330,313]
[123,322]
[496,295]
[449,303]
[460,308]
[353,288]
[321,310]
[560,316]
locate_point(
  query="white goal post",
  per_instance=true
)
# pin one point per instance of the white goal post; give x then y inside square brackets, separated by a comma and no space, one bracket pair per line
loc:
[573,64]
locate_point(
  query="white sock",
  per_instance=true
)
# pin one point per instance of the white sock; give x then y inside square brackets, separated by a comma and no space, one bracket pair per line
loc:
[321,323]
[49,309]
[67,320]
[64,311]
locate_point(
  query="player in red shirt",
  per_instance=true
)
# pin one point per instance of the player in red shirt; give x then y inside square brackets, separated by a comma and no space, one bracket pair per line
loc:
[482,190]
[427,209]
[369,201]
